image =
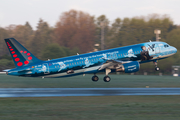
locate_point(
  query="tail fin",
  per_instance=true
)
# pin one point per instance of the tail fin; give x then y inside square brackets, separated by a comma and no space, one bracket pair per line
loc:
[20,55]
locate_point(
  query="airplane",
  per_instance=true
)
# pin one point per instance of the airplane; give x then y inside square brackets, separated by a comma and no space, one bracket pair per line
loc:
[125,59]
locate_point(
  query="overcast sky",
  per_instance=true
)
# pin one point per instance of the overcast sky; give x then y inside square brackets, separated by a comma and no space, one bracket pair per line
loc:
[19,11]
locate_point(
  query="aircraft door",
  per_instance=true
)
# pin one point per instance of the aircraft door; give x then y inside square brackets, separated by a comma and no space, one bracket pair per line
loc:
[153,49]
[45,68]
[157,49]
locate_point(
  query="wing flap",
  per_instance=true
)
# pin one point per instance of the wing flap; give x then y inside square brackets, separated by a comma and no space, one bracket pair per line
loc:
[112,64]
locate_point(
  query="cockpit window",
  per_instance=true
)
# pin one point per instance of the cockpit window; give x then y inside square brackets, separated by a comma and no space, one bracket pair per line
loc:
[166,45]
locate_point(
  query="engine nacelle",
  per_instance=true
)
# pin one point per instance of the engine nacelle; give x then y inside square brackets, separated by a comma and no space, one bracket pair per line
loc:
[129,67]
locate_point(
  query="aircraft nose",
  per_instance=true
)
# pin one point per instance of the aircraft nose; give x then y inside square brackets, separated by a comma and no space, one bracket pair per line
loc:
[175,50]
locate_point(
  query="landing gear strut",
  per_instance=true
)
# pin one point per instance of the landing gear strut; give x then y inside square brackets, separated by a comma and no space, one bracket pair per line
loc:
[156,67]
[107,78]
[95,78]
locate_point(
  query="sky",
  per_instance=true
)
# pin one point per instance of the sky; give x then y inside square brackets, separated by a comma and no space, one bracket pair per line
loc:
[18,12]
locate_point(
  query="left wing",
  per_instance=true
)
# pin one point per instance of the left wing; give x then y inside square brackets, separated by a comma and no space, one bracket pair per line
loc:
[112,64]
[120,66]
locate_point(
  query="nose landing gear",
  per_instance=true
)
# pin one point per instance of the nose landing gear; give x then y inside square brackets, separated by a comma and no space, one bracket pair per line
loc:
[156,67]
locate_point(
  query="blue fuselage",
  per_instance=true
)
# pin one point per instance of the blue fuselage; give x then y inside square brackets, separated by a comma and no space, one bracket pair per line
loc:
[91,62]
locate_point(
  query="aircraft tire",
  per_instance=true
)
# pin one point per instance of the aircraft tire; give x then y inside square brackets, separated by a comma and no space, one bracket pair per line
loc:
[157,68]
[95,78]
[107,79]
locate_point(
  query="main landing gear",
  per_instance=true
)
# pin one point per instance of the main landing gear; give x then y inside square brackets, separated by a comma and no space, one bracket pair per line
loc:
[106,78]
[156,67]
[95,78]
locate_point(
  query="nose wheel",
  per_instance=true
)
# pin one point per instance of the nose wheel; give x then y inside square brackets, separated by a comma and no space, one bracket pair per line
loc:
[157,68]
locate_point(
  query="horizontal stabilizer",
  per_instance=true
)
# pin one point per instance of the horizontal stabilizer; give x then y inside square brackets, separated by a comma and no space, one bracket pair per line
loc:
[24,71]
[6,70]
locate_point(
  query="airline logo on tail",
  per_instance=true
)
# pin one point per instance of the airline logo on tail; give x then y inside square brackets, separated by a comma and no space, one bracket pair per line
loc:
[20,55]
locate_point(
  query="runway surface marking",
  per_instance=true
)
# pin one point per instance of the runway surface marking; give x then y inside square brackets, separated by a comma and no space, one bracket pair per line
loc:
[52,92]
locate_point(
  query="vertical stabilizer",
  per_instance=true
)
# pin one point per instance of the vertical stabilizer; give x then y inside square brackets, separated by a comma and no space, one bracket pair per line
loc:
[20,55]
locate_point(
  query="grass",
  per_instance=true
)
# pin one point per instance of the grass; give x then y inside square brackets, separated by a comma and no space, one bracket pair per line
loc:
[88,108]
[122,81]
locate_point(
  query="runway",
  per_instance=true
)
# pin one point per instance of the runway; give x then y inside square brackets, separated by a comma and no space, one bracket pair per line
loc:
[53,92]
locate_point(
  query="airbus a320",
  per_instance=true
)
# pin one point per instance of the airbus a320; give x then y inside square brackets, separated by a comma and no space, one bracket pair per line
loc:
[123,59]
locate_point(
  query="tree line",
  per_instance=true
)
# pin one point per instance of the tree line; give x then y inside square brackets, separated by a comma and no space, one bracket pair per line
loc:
[78,32]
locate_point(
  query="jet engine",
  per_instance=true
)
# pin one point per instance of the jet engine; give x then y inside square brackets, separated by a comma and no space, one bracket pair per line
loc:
[129,67]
